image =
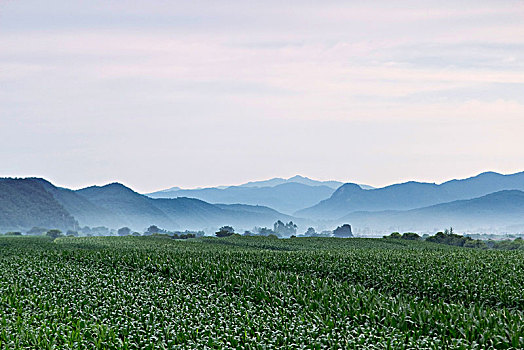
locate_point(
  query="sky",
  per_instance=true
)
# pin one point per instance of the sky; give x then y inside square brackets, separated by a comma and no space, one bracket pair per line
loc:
[156,94]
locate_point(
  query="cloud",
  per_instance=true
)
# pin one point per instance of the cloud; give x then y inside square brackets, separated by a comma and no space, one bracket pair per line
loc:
[311,84]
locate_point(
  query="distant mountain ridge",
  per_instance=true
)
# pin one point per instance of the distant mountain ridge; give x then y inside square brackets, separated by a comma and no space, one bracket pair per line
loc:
[79,207]
[286,197]
[25,203]
[138,210]
[296,179]
[410,195]
[127,206]
[488,201]
[490,213]
[271,183]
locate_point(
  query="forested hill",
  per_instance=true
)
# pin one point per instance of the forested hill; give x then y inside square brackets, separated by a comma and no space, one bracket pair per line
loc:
[410,195]
[176,213]
[25,203]
[502,210]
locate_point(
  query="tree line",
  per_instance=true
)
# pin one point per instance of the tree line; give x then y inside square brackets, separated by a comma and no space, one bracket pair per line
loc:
[448,237]
[281,229]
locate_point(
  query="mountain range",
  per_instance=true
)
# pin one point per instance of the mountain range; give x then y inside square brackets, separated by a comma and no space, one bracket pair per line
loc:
[295,179]
[488,202]
[25,203]
[283,195]
[409,195]
[140,211]
[495,212]
[271,183]
[287,197]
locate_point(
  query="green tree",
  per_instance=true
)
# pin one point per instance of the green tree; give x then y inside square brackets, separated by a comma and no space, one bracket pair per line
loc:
[310,232]
[264,231]
[225,231]
[153,229]
[343,231]
[13,233]
[54,233]
[412,236]
[288,229]
[475,244]
[395,235]
[124,231]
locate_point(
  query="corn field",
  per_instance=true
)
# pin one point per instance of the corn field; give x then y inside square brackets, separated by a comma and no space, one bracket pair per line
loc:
[257,293]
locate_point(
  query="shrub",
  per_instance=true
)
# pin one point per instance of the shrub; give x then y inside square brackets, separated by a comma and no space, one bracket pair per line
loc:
[225,231]
[13,233]
[412,236]
[54,233]
[394,235]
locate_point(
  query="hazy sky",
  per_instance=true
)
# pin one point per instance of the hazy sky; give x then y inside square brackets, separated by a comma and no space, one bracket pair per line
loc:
[157,94]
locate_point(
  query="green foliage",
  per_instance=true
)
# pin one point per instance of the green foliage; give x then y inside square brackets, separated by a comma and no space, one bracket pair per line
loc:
[518,243]
[474,243]
[343,231]
[225,231]
[394,235]
[264,231]
[124,231]
[25,203]
[310,232]
[257,293]
[410,236]
[54,233]
[449,238]
[281,229]
[187,234]
[13,233]
[153,229]
[184,236]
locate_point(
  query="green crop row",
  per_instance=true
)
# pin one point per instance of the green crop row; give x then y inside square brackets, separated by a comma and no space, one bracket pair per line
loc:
[257,293]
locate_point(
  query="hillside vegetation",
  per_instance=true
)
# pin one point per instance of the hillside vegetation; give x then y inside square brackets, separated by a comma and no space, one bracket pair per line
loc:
[410,195]
[467,205]
[25,203]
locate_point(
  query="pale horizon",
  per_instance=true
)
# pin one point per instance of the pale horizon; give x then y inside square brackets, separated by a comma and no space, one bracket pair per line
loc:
[135,188]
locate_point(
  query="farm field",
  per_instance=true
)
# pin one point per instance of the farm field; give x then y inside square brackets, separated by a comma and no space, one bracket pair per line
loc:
[257,293]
